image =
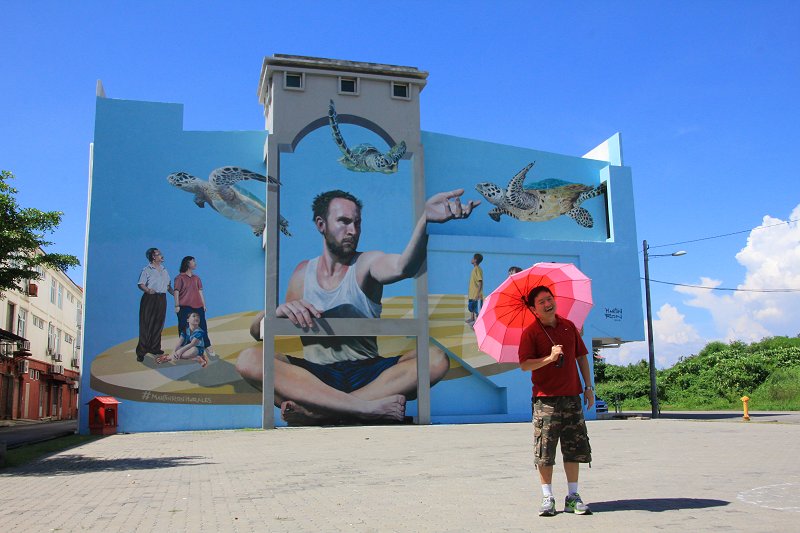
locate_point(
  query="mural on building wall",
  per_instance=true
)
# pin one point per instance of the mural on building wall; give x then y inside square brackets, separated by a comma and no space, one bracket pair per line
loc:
[162,332]
[226,198]
[356,255]
[364,157]
[540,201]
[356,259]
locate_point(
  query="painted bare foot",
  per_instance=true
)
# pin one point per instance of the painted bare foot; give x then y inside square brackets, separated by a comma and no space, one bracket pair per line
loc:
[202,360]
[163,358]
[389,408]
[296,414]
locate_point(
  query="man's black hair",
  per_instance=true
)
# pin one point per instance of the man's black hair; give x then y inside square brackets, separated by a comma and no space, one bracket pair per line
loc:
[149,254]
[536,291]
[323,200]
[478,258]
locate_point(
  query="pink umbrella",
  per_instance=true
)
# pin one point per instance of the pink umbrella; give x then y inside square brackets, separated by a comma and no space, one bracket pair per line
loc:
[504,315]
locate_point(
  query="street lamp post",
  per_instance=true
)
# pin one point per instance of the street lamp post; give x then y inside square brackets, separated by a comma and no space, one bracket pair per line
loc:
[652,358]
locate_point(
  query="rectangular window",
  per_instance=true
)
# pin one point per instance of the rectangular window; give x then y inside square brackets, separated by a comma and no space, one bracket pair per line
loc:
[12,312]
[348,85]
[60,296]
[67,338]
[70,297]
[51,338]
[53,285]
[22,318]
[38,322]
[293,80]
[400,90]
[58,340]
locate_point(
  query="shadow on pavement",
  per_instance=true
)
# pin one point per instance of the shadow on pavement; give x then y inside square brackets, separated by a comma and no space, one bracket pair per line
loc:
[656,505]
[72,464]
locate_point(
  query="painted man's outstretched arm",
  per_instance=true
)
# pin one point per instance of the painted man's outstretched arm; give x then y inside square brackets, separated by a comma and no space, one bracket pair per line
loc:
[441,207]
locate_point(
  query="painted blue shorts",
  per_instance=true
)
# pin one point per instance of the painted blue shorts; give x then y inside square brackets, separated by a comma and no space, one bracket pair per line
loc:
[347,376]
[472,306]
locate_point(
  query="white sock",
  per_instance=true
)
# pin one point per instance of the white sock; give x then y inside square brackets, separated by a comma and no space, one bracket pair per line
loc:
[547,490]
[572,487]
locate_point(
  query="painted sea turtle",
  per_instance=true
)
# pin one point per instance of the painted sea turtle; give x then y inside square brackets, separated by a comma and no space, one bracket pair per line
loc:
[544,200]
[364,157]
[227,198]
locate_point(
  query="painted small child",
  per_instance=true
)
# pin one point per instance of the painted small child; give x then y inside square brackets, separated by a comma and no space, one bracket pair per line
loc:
[190,344]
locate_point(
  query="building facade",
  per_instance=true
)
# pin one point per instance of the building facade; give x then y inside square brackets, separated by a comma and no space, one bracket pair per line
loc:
[40,348]
[240,204]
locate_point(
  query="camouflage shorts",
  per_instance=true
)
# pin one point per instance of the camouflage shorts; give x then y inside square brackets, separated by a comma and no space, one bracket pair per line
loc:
[560,418]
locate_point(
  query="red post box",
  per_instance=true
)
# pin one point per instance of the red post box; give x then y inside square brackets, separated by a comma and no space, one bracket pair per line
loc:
[103,415]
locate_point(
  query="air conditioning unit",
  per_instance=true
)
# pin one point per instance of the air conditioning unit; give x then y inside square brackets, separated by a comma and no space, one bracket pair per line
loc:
[58,369]
[76,362]
[33,289]
[24,367]
[76,385]
[50,351]
[57,357]
[7,350]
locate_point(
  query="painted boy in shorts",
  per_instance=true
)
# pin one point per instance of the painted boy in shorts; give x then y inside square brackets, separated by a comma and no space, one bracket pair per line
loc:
[190,345]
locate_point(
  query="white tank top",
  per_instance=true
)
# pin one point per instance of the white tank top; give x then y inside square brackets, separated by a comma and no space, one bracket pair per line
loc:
[345,301]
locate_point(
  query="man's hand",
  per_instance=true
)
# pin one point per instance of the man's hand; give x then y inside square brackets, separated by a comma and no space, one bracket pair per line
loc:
[299,312]
[446,206]
[555,353]
[588,398]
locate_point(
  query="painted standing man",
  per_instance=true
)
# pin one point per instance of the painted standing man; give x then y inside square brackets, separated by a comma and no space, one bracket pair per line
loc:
[346,376]
[552,350]
[154,282]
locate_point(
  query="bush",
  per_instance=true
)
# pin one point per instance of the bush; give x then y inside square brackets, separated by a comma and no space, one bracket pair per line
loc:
[768,371]
[780,391]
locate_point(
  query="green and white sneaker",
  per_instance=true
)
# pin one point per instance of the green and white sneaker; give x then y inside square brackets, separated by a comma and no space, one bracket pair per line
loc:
[548,507]
[574,504]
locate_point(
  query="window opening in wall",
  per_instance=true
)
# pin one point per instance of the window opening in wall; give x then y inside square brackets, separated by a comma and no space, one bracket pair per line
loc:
[348,85]
[10,317]
[60,296]
[293,80]
[400,90]
[51,338]
[38,322]
[22,318]
[53,284]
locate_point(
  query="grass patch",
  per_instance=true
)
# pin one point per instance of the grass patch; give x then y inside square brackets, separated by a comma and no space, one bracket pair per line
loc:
[31,452]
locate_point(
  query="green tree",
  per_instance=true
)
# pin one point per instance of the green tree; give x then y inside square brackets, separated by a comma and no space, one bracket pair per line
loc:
[22,235]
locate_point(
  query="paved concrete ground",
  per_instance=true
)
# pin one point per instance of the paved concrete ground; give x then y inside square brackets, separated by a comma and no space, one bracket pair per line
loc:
[671,474]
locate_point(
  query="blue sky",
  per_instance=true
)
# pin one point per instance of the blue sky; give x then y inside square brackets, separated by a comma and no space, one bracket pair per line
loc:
[703,93]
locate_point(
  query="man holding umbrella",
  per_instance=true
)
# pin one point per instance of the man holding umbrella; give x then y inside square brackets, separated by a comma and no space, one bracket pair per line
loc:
[551,348]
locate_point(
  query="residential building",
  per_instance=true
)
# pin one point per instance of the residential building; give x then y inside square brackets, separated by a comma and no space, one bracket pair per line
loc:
[40,348]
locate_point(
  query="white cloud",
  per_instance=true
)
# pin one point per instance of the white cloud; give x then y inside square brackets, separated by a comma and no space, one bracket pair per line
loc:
[772,260]
[672,339]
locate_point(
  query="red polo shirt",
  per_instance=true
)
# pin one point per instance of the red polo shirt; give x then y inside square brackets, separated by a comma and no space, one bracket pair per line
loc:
[535,344]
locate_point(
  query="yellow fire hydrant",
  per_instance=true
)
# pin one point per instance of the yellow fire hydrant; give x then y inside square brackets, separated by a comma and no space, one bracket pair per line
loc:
[746,416]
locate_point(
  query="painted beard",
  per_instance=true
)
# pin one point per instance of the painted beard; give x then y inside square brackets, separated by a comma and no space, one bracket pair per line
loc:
[343,249]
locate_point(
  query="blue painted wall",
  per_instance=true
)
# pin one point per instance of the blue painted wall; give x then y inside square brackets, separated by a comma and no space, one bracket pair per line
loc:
[132,207]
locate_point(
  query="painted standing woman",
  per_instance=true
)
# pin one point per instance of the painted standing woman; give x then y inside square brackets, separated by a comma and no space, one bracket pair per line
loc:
[189,299]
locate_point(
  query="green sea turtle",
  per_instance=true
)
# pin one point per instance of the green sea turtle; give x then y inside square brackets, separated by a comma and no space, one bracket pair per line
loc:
[227,198]
[545,200]
[364,157]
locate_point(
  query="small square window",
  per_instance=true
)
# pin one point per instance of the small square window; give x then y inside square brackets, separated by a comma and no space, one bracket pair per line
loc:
[348,85]
[293,80]
[400,90]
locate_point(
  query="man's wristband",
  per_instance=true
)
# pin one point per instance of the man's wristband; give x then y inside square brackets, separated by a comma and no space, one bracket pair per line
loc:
[589,388]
